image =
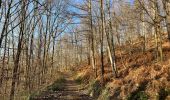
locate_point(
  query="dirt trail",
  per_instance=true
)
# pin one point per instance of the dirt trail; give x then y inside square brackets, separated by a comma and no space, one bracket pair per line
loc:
[71,91]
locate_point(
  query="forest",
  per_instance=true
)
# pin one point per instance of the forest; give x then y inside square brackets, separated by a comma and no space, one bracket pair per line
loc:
[84,49]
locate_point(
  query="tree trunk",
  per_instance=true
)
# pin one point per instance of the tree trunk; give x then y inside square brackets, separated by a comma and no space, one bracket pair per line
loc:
[5,23]
[19,48]
[92,37]
[102,42]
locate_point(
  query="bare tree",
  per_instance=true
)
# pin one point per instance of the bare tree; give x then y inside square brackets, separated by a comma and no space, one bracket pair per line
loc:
[19,48]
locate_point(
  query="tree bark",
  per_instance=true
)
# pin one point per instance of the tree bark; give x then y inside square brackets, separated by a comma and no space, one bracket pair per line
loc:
[102,42]
[17,58]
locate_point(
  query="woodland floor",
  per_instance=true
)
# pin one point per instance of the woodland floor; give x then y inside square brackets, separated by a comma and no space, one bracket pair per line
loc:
[71,91]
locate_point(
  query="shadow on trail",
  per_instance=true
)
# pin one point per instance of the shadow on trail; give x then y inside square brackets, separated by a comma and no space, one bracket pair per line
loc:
[69,92]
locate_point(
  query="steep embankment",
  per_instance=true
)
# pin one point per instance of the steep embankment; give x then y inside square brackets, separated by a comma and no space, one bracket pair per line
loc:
[141,77]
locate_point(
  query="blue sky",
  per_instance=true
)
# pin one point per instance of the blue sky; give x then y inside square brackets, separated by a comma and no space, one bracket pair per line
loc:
[131,1]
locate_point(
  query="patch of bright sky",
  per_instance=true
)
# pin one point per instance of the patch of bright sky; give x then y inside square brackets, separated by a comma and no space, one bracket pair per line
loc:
[79,11]
[81,1]
[131,1]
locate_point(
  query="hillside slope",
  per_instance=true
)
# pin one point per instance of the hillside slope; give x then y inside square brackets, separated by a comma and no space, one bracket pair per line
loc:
[141,76]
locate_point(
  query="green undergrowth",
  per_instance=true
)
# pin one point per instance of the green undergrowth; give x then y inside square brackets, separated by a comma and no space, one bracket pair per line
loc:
[95,88]
[104,94]
[79,80]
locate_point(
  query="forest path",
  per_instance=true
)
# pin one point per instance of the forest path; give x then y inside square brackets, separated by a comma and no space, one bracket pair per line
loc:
[71,91]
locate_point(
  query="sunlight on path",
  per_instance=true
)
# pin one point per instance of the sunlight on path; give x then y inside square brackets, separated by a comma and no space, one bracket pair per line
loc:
[70,92]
